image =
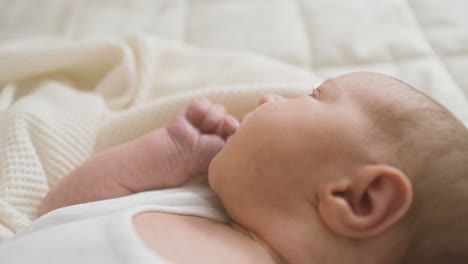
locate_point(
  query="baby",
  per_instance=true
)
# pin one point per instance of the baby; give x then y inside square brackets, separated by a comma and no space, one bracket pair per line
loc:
[364,170]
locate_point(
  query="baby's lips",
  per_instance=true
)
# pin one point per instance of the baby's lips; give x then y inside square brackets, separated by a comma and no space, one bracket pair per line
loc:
[269,97]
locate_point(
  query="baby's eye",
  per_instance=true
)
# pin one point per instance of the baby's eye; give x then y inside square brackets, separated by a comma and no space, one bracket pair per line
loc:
[315,93]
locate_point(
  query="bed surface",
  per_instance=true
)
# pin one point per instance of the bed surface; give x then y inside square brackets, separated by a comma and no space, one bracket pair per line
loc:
[421,42]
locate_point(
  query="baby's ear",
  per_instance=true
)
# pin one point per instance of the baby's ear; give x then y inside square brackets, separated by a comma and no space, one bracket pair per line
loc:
[367,203]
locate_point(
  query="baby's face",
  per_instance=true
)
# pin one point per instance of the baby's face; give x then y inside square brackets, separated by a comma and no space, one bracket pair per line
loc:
[270,171]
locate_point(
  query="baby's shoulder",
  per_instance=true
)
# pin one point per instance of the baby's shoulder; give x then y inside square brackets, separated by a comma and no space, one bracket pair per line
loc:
[192,239]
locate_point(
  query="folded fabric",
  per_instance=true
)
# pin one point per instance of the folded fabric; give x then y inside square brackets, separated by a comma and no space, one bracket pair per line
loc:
[61,101]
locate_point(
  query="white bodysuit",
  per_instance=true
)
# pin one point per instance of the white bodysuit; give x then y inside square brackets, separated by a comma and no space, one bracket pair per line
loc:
[103,231]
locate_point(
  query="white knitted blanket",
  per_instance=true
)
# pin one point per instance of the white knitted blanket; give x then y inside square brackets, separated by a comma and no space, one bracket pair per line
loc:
[62,101]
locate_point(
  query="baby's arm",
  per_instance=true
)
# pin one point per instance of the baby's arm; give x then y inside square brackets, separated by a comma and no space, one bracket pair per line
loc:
[166,157]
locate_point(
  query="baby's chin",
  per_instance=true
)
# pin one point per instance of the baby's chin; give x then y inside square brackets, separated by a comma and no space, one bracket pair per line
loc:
[213,172]
[218,176]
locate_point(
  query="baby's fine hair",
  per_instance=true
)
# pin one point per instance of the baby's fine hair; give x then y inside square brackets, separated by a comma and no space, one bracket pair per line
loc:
[430,145]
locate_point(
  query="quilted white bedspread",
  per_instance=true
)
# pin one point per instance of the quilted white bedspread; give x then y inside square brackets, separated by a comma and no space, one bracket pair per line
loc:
[79,76]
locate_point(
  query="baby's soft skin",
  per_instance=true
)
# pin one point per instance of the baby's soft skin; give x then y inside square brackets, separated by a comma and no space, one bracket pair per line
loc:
[300,173]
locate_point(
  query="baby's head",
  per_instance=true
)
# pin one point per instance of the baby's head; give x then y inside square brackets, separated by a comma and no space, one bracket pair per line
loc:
[364,170]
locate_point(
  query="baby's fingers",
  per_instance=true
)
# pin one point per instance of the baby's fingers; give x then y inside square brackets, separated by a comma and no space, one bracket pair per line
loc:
[230,126]
[213,119]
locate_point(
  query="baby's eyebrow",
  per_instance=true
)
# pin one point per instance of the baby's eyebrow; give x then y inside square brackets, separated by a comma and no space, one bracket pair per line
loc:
[320,84]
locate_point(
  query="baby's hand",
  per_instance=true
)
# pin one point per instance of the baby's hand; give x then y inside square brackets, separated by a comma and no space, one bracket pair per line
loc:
[201,130]
[164,158]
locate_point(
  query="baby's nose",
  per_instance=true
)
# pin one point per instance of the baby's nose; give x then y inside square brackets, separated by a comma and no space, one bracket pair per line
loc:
[269,97]
[265,99]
